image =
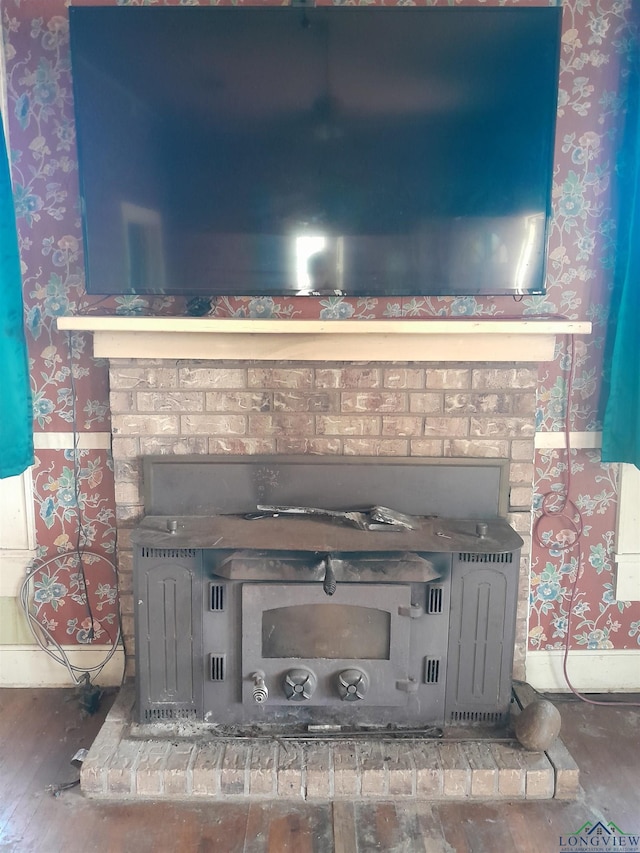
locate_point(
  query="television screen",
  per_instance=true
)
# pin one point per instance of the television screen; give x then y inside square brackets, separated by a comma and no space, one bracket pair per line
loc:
[363,151]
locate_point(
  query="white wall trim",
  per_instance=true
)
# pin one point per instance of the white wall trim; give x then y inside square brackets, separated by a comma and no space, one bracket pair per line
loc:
[627,556]
[102,440]
[13,572]
[65,440]
[453,339]
[577,440]
[591,671]
[17,513]
[29,666]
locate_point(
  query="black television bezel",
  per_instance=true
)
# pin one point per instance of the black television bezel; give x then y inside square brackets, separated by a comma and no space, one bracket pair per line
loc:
[419,291]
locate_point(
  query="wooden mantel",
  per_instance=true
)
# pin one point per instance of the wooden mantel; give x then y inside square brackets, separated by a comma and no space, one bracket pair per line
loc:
[464,340]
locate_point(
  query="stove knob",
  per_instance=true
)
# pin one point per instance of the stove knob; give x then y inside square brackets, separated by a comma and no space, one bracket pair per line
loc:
[299,684]
[352,684]
[482,528]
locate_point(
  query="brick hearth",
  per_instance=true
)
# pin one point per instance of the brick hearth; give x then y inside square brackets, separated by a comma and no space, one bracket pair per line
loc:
[129,761]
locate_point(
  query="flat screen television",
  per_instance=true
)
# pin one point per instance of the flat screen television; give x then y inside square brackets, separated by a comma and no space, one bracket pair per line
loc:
[364,151]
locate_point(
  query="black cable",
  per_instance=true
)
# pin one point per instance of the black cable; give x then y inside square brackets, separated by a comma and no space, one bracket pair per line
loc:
[560,506]
[89,694]
[76,485]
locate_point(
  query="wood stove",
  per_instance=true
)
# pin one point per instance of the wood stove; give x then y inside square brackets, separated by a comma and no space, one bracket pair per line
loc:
[281,622]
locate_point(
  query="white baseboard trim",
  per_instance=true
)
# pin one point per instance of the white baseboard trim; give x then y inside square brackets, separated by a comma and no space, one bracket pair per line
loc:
[65,440]
[589,671]
[578,440]
[29,666]
[13,570]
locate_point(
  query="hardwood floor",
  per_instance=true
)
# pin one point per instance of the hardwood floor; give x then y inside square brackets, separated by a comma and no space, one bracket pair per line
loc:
[40,730]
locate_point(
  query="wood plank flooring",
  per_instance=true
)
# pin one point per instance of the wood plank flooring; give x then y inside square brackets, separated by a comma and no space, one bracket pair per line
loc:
[40,730]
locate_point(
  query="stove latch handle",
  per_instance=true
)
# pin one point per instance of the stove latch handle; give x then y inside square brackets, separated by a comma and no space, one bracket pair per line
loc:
[329,584]
[413,611]
[260,689]
[408,685]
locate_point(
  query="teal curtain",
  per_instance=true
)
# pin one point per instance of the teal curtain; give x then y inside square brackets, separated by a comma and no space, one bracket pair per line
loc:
[621,423]
[16,424]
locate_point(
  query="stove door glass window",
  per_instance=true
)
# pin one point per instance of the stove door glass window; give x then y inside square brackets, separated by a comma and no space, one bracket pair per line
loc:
[330,631]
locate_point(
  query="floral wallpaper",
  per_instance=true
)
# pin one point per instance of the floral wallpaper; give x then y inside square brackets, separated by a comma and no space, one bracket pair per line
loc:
[60,593]
[596,40]
[598,621]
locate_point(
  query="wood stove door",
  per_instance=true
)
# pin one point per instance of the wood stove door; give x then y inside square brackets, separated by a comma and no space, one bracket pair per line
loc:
[315,649]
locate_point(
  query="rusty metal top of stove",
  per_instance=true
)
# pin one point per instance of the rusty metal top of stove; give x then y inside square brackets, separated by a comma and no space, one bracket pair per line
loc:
[291,533]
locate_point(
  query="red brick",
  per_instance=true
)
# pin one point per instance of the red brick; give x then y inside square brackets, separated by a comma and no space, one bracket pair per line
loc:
[173,445]
[425,447]
[425,403]
[145,424]
[446,427]
[345,770]
[318,765]
[403,377]
[127,493]
[399,425]
[127,470]
[280,377]
[520,521]
[139,378]
[213,424]
[521,496]
[124,447]
[521,472]
[125,580]
[126,602]
[467,404]
[121,402]
[241,446]
[262,769]
[451,377]
[429,771]
[500,427]
[522,450]
[496,378]
[375,447]
[291,401]
[129,514]
[233,771]
[238,401]
[347,425]
[377,401]
[524,405]
[348,377]
[278,424]
[314,446]
[169,401]
[206,769]
[212,377]
[495,449]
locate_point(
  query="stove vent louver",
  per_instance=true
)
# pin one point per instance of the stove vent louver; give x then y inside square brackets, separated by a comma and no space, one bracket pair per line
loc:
[217,667]
[434,598]
[431,670]
[157,715]
[478,717]
[167,553]
[486,558]
[216,597]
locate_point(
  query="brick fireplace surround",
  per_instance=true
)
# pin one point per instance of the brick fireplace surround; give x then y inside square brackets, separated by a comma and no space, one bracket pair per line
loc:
[469,391]
[400,410]
[269,405]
